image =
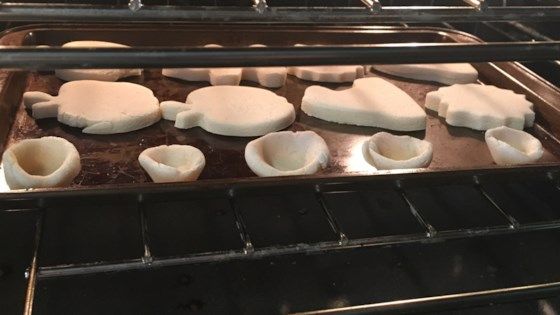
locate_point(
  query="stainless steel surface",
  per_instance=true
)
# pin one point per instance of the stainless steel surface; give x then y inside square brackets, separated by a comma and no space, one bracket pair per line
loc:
[355,15]
[155,57]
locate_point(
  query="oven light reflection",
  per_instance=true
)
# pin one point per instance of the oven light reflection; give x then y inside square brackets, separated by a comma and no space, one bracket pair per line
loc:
[356,161]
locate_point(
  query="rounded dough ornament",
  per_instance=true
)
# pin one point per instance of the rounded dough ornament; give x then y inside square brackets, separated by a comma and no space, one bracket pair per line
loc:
[231,111]
[511,146]
[481,107]
[446,73]
[287,153]
[98,107]
[41,163]
[386,151]
[173,163]
[95,74]
[334,74]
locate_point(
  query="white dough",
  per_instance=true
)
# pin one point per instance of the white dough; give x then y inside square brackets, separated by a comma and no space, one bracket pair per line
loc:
[173,163]
[386,151]
[272,77]
[41,163]
[446,73]
[335,74]
[512,146]
[95,74]
[287,153]
[481,107]
[98,107]
[231,111]
[370,102]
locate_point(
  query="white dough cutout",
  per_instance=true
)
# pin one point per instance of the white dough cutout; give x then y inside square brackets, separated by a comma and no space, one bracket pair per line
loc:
[334,74]
[481,107]
[173,163]
[98,107]
[287,153]
[95,74]
[446,73]
[271,77]
[511,146]
[41,163]
[239,111]
[371,102]
[386,151]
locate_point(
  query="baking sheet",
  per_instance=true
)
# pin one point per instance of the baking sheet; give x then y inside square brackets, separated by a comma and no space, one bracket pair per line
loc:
[112,159]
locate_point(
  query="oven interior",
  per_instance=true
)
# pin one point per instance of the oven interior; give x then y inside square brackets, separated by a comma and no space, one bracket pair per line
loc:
[467,239]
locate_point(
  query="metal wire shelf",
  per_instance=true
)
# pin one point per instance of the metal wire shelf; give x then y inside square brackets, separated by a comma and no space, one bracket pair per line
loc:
[401,185]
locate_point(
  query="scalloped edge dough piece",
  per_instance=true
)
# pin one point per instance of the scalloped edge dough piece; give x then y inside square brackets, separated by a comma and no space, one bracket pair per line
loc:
[333,74]
[371,102]
[287,153]
[446,73]
[97,106]
[481,107]
[386,151]
[271,77]
[95,74]
[240,111]
[172,163]
[511,146]
[55,161]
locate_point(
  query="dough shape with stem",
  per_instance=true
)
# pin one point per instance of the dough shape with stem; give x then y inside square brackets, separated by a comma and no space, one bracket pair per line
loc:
[446,73]
[271,77]
[41,163]
[371,102]
[172,163]
[287,153]
[239,111]
[481,107]
[95,74]
[511,146]
[386,151]
[98,107]
[333,74]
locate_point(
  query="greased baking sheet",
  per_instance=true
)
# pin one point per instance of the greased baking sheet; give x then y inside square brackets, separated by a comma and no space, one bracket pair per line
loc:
[112,159]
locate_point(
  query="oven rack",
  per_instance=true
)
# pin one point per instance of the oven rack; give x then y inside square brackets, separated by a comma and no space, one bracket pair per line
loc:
[486,211]
[155,57]
[258,11]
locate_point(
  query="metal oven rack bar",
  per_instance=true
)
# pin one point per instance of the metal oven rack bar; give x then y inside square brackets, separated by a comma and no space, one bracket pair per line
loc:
[51,58]
[371,12]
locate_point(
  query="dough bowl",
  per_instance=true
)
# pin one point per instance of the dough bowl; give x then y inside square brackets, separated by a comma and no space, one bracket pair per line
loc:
[41,163]
[386,151]
[511,146]
[173,163]
[287,153]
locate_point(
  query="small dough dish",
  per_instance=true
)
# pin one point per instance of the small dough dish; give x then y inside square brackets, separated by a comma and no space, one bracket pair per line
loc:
[511,146]
[287,153]
[173,163]
[386,151]
[41,163]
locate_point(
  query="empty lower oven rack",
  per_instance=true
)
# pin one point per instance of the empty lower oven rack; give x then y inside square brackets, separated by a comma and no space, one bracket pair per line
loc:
[254,222]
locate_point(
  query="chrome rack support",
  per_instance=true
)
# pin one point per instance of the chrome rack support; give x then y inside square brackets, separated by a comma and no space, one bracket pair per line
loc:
[260,6]
[373,5]
[479,5]
[155,57]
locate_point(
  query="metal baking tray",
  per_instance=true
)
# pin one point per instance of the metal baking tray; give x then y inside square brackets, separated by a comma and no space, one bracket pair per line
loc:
[110,161]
